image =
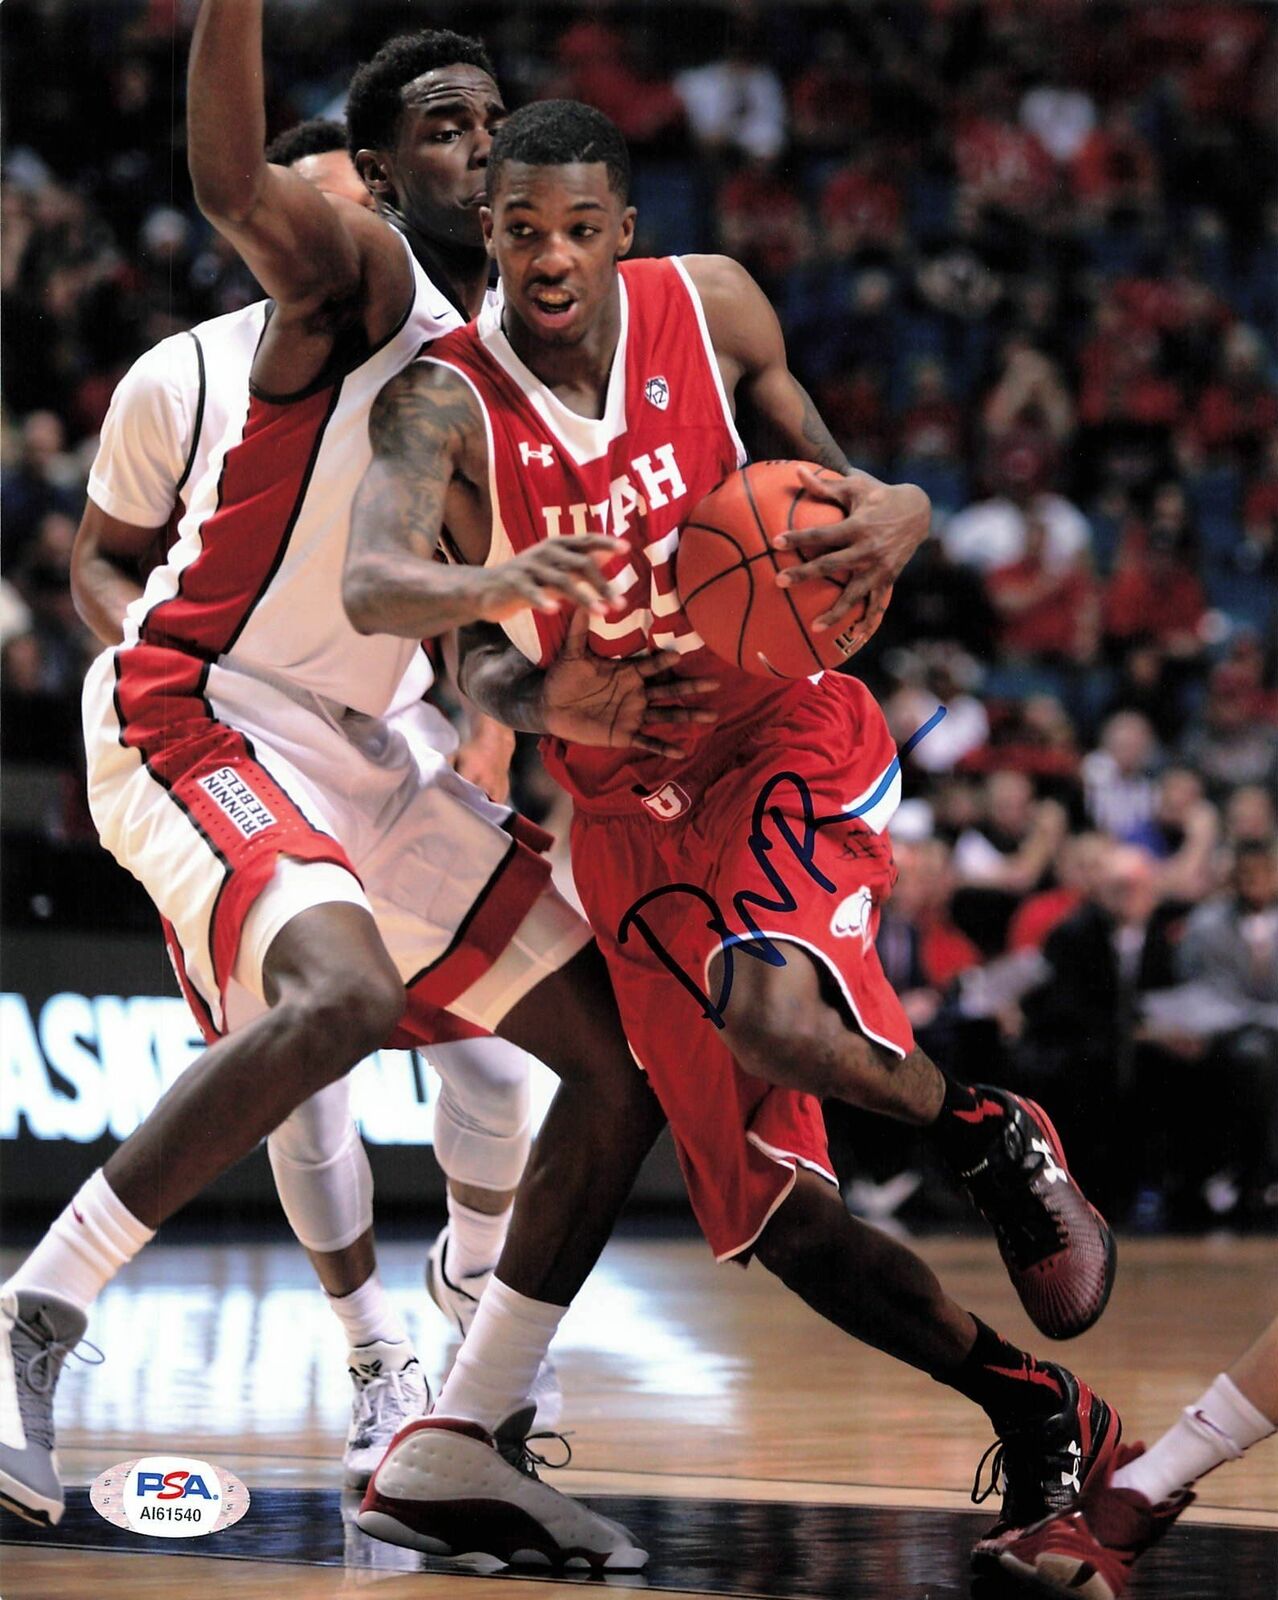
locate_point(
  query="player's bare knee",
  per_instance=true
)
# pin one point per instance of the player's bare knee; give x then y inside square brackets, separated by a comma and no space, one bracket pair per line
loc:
[340,1017]
[802,1241]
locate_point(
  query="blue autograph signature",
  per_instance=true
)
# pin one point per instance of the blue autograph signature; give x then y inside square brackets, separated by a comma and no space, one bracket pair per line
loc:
[802,846]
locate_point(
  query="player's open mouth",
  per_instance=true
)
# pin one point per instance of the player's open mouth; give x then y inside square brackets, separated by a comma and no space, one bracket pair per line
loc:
[553,302]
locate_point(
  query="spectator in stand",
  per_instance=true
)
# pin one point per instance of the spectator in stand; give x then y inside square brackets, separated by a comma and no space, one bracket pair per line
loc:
[1233,742]
[1257,552]
[1034,736]
[1077,870]
[1230,953]
[931,426]
[736,106]
[1155,593]
[1000,166]
[44,478]
[1030,396]
[995,532]
[853,408]
[917,940]
[831,105]
[1181,835]
[862,207]
[1119,784]
[43,578]
[938,600]
[1012,847]
[1046,614]
[1251,816]
[762,221]
[1113,173]
[1236,414]
[1078,1043]
[927,676]
[602,65]
[1122,383]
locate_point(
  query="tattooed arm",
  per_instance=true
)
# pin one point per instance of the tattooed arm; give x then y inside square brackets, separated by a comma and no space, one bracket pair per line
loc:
[884,524]
[429,463]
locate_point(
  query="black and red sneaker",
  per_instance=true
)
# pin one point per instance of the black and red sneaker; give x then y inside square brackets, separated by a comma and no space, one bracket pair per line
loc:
[1057,1248]
[1089,1552]
[1042,1467]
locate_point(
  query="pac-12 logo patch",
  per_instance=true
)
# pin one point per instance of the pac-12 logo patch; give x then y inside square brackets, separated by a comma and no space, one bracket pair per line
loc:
[228,790]
[657,393]
[169,1497]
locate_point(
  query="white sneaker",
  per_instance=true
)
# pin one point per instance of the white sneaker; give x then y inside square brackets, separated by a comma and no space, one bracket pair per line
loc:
[458,1299]
[443,1488]
[390,1390]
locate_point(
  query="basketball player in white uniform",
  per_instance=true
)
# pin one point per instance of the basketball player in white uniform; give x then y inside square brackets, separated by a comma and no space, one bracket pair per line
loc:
[248,758]
[150,442]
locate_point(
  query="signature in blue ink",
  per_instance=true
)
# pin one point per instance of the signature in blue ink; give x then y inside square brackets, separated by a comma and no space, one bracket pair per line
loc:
[802,846]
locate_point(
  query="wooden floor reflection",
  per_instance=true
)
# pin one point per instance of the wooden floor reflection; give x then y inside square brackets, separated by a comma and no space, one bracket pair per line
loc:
[757,1450]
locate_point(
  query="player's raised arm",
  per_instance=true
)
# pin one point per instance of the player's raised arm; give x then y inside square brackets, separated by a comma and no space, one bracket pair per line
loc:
[429,467]
[309,252]
[885,523]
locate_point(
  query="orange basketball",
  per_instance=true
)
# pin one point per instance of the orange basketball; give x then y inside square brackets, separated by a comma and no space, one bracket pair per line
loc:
[726,570]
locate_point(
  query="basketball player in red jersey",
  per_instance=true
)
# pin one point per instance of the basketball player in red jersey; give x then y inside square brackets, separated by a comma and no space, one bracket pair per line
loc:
[600,398]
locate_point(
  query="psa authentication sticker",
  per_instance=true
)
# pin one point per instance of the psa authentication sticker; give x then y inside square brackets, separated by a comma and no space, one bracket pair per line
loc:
[169,1497]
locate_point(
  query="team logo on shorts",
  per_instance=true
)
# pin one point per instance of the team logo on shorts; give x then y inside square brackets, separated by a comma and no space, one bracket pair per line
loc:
[228,790]
[657,393]
[852,917]
[668,802]
[169,1497]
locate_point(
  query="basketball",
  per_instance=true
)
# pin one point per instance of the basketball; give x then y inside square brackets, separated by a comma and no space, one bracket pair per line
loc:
[726,570]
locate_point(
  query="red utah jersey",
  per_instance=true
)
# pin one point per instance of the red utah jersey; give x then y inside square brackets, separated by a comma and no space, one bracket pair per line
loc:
[666,438]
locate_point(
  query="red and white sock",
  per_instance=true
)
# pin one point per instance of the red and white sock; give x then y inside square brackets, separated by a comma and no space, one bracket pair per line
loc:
[1218,1427]
[85,1248]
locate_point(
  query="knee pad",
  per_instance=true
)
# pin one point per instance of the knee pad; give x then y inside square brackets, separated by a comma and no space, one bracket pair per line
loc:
[482,1124]
[321,1169]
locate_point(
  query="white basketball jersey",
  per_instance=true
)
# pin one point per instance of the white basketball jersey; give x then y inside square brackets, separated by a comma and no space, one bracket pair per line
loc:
[253,579]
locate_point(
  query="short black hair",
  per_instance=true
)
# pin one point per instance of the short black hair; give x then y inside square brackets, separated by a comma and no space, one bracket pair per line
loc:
[374,103]
[315,137]
[558,133]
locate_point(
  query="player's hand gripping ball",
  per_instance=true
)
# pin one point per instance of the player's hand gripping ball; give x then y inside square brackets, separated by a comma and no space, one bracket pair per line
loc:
[726,575]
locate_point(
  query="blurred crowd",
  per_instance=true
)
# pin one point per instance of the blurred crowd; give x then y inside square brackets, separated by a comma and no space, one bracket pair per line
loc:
[1026,255]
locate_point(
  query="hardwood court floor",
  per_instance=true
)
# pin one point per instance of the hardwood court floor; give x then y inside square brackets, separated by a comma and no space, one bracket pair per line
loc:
[758,1450]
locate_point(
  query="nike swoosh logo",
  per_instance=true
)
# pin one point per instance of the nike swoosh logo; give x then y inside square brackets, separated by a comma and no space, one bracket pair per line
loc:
[75,1213]
[987,1108]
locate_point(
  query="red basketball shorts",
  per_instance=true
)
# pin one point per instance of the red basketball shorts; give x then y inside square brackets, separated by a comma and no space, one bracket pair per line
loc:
[775,842]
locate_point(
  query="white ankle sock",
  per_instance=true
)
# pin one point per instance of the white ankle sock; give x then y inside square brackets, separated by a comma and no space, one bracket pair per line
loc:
[366,1314]
[86,1246]
[499,1357]
[1218,1427]
[475,1239]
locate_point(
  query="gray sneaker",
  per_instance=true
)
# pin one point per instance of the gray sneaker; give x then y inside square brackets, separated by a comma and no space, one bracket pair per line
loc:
[38,1332]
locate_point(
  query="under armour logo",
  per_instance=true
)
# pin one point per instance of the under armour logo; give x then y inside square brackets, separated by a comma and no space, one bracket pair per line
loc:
[657,393]
[1055,1174]
[1074,1476]
[542,454]
[852,917]
[668,802]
